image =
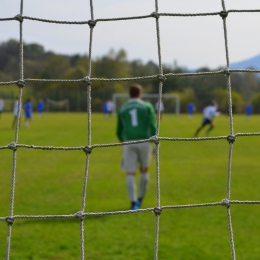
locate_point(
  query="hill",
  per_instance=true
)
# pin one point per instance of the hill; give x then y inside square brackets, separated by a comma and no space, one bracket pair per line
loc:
[253,62]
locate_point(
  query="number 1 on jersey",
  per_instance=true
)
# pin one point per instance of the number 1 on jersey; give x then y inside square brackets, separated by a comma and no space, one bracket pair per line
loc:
[133,114]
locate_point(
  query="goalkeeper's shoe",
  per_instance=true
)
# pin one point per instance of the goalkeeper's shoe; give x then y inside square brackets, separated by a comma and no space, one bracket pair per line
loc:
[134,206]
[138,203]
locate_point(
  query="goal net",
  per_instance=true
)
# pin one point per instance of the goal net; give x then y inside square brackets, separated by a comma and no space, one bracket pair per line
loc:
[222,15]
[170,103]
[62,105]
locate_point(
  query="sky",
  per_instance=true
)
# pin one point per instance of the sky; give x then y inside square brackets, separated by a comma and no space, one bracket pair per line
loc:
[192,42]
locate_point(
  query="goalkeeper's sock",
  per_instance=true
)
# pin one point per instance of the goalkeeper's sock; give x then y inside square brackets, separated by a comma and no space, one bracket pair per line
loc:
[143,184]
[130,182]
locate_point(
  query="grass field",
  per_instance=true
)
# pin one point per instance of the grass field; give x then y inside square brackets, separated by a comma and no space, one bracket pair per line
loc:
[51,182]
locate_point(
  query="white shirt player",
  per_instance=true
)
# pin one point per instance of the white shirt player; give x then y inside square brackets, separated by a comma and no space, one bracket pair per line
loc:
[110,106]
[16,105]
[157,104]
[2,104]
[210,111]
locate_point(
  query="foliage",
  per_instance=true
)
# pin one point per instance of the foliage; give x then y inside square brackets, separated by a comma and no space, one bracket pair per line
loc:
[221,96]
[39,64]
[255,101]
[187,96]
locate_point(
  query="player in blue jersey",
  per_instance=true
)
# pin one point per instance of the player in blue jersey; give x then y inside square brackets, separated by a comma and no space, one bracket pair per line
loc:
[135,121]
[40,107]
[191,109]
[249,110]
[28,107]
[105,109]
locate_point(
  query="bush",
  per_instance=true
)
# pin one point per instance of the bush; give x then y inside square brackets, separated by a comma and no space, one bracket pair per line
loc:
[255,101]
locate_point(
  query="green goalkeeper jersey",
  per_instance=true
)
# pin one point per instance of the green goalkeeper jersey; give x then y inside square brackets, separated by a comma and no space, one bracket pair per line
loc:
[135,120]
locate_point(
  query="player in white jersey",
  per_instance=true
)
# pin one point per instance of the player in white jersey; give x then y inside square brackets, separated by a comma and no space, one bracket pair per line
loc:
[209,113]
[15,111]
[2,104]
[161,108]
[110,107]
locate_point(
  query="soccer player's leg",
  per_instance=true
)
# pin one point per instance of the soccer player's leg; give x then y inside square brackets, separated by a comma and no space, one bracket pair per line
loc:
[144,152]
[211,126]
[204,122]
[129,165]
[27,119]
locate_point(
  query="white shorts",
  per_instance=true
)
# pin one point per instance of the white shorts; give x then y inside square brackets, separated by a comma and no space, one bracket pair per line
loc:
[134,154]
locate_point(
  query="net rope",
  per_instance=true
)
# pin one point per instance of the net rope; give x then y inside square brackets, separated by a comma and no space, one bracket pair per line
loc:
[161,77]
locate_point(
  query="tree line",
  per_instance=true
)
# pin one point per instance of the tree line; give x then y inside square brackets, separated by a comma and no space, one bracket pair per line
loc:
[41,64]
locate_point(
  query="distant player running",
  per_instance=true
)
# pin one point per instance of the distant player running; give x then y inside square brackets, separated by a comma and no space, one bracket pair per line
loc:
[209,113]
[135,122]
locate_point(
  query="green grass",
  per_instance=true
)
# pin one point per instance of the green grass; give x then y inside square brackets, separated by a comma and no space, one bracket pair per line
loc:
[51,182]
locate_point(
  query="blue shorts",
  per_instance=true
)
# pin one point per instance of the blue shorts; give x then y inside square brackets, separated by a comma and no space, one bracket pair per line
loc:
[28,114]
[206,121]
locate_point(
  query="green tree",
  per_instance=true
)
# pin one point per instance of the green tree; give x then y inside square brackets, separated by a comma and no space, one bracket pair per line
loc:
[221,96]
[255,101]
[237,102]
[186,97]
[247,84]
[55,67]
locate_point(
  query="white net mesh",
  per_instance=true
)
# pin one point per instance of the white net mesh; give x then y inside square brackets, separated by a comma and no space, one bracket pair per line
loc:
[157,209]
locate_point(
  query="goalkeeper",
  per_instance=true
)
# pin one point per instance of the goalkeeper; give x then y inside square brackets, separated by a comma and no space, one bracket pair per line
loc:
[135,121]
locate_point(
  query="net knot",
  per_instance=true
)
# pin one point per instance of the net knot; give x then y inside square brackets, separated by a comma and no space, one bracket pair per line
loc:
[226,71]
[12,146]
[223,14]
[155,15]
[225,202]
[79,215]
[157,211]
[231,138]
[154,139]
[92,23]
[9,221]
[87,149]
[19,18]
[20,83]
[161,78]
[87,80]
